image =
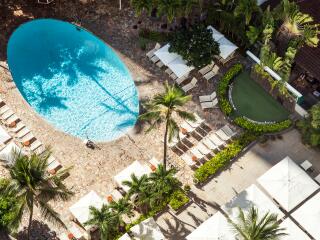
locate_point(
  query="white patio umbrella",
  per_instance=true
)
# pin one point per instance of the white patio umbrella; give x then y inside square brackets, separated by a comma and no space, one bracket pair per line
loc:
[288,184]
[148,230]
[4,136]
[293,231]
[308,216]
[81,209]
[180,67]
[251,197]
[125,175]
[164,55]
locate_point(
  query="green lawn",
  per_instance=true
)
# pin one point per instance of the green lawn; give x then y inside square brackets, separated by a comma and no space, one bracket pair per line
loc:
[252,101]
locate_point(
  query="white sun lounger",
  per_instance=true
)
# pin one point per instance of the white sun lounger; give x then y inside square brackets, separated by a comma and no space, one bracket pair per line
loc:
[217,141]
[211,104]
[181,79]
[209,144]
[228,131]
[188,159]
[17,128]
[53,164]
[155,59]
[28,137]
[190,85]
[36,144]
[187,127]
[12,119]
[3,109]
[160,64]
[175,139]
[154,162]
[150,54]
[195,151]
[221,134]
[173,76]
[206,69]
[23,132]
[197,123]
[7,114]
[40,150]
[212,73]
[208,98]
[168,71]
[203,149]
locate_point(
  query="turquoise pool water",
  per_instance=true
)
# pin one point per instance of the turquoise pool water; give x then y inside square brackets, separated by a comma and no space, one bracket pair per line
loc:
[73,79]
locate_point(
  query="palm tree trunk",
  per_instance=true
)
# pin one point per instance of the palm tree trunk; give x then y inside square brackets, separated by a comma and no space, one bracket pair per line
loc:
[165,145]
[30,219]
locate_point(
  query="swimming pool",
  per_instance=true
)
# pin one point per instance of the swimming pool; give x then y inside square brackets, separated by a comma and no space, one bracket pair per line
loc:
[73,79]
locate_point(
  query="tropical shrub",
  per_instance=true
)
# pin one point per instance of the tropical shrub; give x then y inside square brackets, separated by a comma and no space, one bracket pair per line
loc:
[222,158]
[154,36]
[195,45]
[223,86]
[8,208]
[178,199]
[310,127]
[260,127]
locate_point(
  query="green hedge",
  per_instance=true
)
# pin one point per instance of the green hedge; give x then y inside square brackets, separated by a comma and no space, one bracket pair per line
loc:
[223,85]
[178,199]
[222,158]
[262,128]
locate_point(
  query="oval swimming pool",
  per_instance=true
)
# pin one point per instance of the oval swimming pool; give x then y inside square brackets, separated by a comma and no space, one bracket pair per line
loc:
[73,79]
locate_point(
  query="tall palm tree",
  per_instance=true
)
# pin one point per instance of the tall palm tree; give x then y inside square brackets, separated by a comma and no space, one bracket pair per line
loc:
[121,208]
[163,182]
[105,220]
[246,8]
[161,109]
[31,185]
[137,185]
[169,8]
[254,227]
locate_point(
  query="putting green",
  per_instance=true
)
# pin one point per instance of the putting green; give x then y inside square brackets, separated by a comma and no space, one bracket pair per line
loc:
[252,101]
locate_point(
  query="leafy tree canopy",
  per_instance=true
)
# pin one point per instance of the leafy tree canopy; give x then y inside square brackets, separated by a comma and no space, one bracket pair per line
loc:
[195,45]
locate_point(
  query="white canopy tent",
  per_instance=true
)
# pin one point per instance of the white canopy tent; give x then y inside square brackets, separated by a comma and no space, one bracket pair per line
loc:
[293,231]
[125,237]
[227,48]
[216,227]
[8,152]
[4,136]
[179,67]
[288,184]
[81,209]
[216,35]
[164,55]
[147,230]
[125,175]
[251,197]
[308,216]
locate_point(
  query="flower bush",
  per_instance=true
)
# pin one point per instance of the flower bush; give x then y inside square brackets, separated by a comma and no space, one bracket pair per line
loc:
[260,127]
[223,85]
[178,199]
[222,158]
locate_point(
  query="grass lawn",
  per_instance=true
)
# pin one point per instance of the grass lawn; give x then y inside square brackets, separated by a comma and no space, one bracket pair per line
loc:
[252,101]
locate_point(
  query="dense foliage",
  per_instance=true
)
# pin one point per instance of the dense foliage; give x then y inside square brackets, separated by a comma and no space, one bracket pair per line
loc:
[223,86]
[195,45]
[222,158]
[178,199]
[310,127]
[8,208]
[261,127]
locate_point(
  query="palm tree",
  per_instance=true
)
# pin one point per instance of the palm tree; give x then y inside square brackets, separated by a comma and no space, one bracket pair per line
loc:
[121,208]
[31,185]
[163,182]
[170,8]
[137,186]
[105,220]
[253,227]
[161,109]
[246,8]
[142,5]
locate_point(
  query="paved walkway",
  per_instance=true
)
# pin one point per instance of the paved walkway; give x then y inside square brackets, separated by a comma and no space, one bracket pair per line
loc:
[233,180]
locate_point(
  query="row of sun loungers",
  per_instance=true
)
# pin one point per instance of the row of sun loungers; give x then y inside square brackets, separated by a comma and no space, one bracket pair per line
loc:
[208,101]
[16,136]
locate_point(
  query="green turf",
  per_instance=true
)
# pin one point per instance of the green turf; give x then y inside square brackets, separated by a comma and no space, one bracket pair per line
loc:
[252,101]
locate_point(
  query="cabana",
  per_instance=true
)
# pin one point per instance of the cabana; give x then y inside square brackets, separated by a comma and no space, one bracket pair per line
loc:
[81,209]
[216,35]
[179,67]
[4,136]
[288,184]
[293,231]
[308,216]
[216,227]
[251,197]
[9,152]
[125,175]
[147,229]
[164,55]
[227,49]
